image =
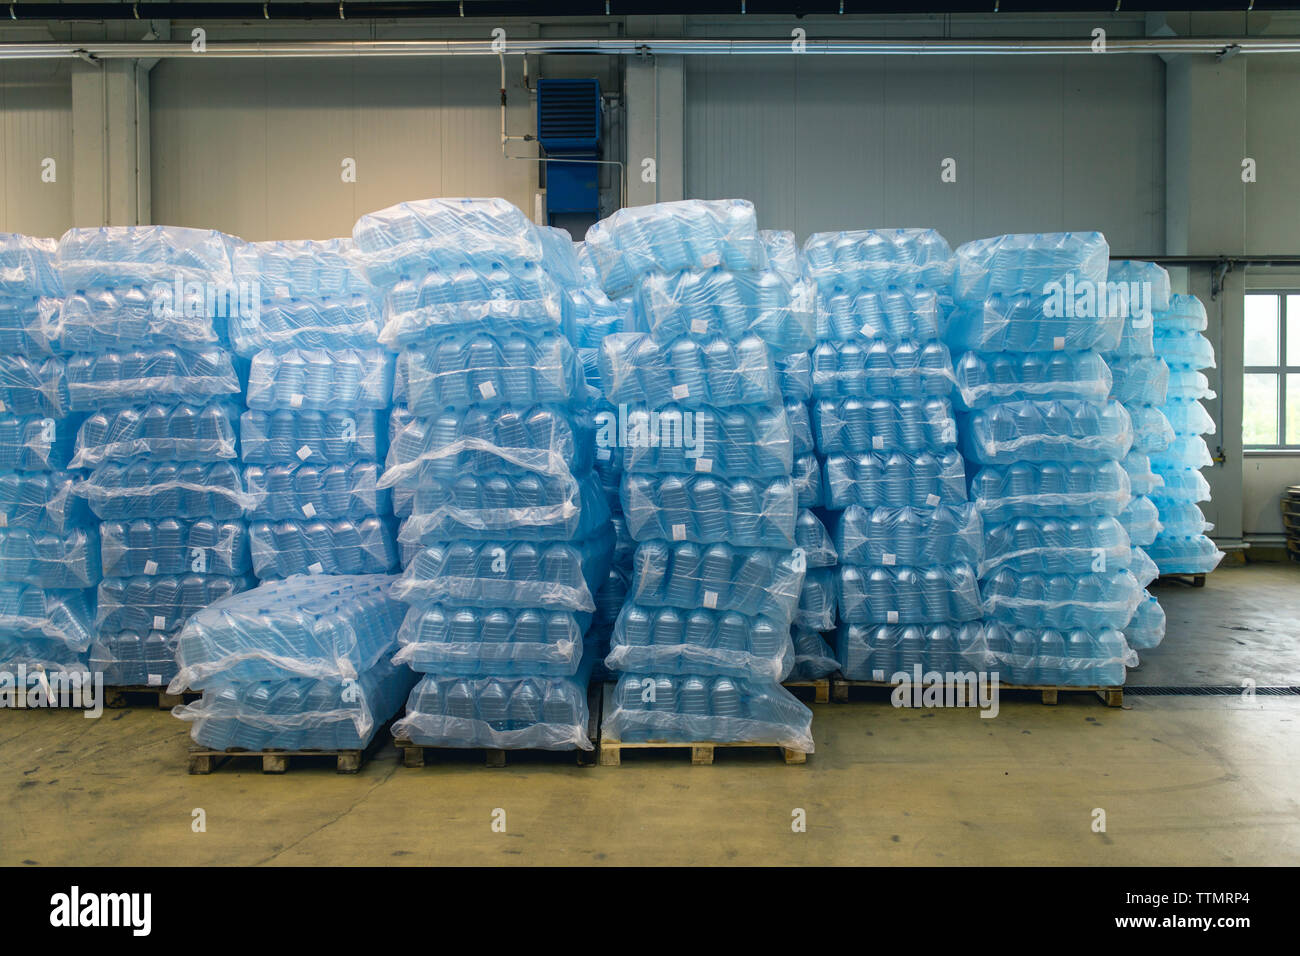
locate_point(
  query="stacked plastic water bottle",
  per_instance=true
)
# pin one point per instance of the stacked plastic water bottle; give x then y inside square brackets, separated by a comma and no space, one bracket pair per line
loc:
[506,535]
[319,388]
[815,615]
[1059,578]
[908,539]
[304,663]
[1139,379]
[704,638]
[1182,547]
[49,545]
[146,313]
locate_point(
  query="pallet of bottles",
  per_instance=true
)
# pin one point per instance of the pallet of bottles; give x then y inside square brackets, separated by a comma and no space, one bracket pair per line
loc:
[414,755]
[145,695]
[1049,693]
[204,760]
[702,751]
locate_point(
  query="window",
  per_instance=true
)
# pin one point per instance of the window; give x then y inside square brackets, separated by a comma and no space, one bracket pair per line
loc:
[1271,392]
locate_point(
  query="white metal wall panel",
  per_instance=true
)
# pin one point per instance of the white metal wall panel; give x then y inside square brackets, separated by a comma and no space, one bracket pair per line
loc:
[256,148]
[35,124]
[1041,144]
[1273,141]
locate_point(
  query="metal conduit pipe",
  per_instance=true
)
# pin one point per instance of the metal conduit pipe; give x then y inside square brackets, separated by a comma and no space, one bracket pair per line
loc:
[428,9]
[628,47]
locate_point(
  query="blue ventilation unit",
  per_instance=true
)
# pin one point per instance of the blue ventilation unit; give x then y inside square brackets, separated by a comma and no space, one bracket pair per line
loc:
[568,127]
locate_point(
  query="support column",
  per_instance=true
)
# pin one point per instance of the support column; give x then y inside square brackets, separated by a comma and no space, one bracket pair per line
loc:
[1205,144]
[655,95]
[110,143]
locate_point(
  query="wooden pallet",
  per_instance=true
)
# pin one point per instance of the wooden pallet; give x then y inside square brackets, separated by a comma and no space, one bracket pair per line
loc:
[204,760]
[702,751]
[1111,696]
[143,695]
[821,689]
[1194,580]
[413,755]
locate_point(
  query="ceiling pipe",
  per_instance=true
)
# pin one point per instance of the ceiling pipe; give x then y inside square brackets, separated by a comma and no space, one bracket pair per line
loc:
[384,9]
[628,47]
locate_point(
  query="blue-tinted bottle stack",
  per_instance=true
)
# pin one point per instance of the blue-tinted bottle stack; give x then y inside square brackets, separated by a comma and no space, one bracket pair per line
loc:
[707,492]
[1139,378]
[908,539]
[814,617]
[594,316]
[146,311]
[319,391]
[506,535]
[49,542]
[1059,579]
[1182,547]
[303,663]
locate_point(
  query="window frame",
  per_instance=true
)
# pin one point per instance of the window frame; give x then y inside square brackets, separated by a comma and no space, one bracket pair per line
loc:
[1279,371]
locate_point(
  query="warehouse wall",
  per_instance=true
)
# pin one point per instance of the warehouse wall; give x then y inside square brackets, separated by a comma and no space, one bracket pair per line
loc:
[1041,144]
[255,148]
[1265,478]
[1272,223]
[1272,121]
[35,124]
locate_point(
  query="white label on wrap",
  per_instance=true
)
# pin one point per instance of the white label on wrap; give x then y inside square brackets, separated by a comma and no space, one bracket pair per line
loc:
[2,407]
[703,464]
[316,568]
[932,500]
[487,389]
[4,520]
[711,599]
[1058,343]
[679,532]
[949,436]
[155,680]
[151,567]
[159,623]
[304,453]
[295,401]
[603,453]
[891,617]
[888,559]
[877,442]
[309,510]
[680,392]
[699,326]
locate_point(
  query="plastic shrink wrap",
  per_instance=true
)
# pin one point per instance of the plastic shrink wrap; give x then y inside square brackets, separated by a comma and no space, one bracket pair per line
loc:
[319,390]
[1037,318]
[49,545]
[317,626]
[303,663]
[725,320]
[1182,547]
[907,540]
[686,707]
[149,311]
[507,535]
[500,712]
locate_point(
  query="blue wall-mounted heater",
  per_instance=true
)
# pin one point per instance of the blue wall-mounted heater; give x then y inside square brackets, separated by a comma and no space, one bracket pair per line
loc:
[568,127]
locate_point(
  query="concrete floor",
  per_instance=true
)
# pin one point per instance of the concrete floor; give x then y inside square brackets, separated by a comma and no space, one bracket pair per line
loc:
[1185,780]
[1245,623]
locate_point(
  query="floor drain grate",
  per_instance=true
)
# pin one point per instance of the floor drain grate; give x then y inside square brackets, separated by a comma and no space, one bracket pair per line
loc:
[1210,690]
